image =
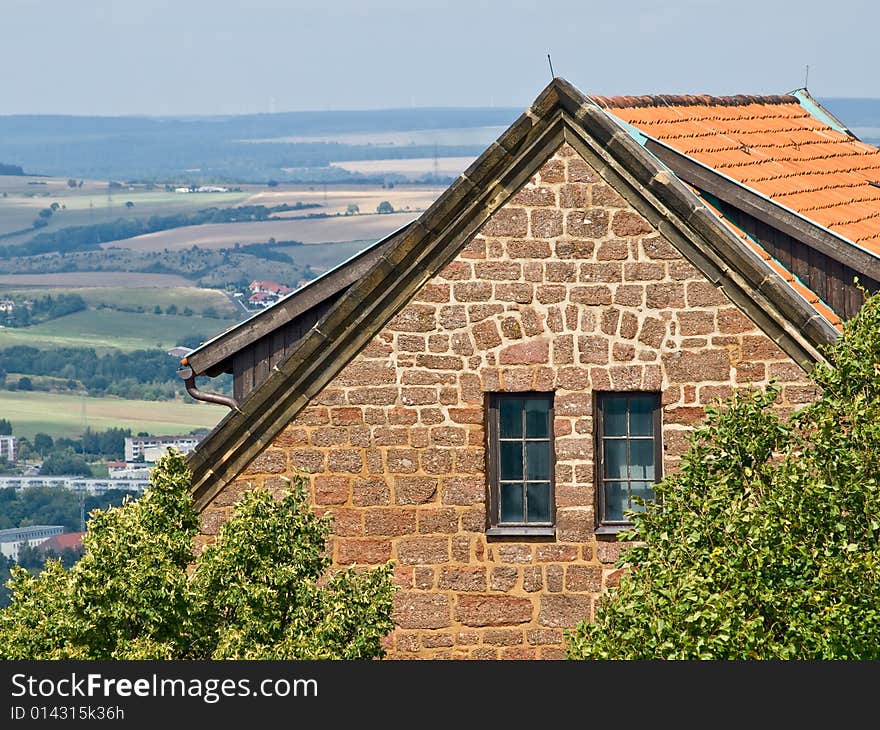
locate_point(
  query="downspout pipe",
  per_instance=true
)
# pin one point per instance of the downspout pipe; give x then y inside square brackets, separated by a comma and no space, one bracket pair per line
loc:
[189,381]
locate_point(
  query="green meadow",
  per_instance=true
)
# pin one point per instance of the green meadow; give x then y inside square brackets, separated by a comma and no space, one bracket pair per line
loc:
[68,415]
[104,329]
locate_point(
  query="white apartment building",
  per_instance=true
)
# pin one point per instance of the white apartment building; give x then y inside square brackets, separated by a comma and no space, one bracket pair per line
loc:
[12,539]
[151,448]
[8,448]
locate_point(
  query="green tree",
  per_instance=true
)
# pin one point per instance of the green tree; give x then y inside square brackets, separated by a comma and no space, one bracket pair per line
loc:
[25,383]
[262,590]
[43,443]
[766,543]
[384,207]
[65,463]
[352,209]
[71,183]
[5,427]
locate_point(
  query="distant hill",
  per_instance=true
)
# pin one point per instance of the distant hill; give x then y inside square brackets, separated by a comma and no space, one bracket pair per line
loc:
[296,147]
[861,116]
[225,148]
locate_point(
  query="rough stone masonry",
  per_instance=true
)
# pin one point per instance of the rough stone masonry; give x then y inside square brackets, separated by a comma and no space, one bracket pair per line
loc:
[565,289]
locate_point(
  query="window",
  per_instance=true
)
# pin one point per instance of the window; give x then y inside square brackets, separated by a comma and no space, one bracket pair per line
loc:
[629,458]
[520,432]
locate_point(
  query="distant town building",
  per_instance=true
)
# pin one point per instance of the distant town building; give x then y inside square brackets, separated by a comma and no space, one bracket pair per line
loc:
[12,539]
[126,470]
[266,293]
[152,448]
[60,543]
[269,287]
[75,483]
[8,448]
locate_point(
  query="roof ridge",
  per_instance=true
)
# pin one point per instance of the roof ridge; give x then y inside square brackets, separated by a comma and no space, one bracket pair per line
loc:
[621,102]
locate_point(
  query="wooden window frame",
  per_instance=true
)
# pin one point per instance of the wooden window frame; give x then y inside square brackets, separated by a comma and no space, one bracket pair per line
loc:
[493,471]
[611,527]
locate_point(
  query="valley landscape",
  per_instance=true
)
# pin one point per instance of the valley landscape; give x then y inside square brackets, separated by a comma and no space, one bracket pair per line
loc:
[151,230]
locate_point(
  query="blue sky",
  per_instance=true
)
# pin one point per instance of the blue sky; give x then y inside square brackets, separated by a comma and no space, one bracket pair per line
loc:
[109,57]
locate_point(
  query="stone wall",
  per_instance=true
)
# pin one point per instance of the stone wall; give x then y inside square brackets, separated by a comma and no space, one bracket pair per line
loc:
[565,289]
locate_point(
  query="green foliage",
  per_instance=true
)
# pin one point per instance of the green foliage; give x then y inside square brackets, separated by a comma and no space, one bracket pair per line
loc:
[384,207]
[27,311]
[88,237]
[261,591]
[766,543]
[5,427]
[63,463]
[140,374]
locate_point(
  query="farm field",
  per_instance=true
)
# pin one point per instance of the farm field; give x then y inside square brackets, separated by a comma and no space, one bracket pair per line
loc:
[107,328]
[336,198]
[68,415]
[83,279]
[196,299]
[91,203]
[481,136]
[413,168]
[311,231]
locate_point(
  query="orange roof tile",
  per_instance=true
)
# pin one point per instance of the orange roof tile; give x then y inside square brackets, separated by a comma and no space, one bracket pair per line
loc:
[774,146]
[57,543]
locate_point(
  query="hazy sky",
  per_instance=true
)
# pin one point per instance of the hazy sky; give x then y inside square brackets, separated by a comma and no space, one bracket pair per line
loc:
[161,57]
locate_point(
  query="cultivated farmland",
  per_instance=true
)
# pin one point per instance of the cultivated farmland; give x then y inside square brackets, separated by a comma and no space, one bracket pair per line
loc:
[69,415]
[311,231]
[83,279]
[409,167]
[108,328]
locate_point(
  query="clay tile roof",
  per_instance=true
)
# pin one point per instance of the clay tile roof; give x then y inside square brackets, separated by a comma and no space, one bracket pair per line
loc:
[57,543]
[773,145]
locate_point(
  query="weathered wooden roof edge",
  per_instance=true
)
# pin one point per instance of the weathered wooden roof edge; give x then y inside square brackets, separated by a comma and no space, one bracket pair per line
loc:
[560,113]
[209,357]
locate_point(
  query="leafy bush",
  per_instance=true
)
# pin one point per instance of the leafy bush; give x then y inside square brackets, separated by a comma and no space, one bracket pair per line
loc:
[766,543]
[261,591]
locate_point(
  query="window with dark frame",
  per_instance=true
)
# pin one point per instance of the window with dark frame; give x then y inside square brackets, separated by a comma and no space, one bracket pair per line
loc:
[629,456]
[521,463]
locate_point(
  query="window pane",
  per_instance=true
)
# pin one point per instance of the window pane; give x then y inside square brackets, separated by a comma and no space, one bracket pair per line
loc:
[538,501]
[537,418]
[641,415]
[537,460]
[511,502]
[510,418]
[641,459]
[615,459]
[614,410]
[615,500]
[511,460]
[645,490]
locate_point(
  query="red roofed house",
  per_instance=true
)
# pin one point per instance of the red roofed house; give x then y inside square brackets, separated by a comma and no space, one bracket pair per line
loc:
[58,543]
[265,293]
[480,395]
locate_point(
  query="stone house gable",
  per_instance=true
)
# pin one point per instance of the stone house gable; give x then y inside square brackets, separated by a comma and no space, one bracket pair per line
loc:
[567,288]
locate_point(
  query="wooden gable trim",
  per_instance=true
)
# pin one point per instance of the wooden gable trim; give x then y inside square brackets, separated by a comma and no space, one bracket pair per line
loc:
[559,114]
[766,210]
[215,356]
[430,242]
